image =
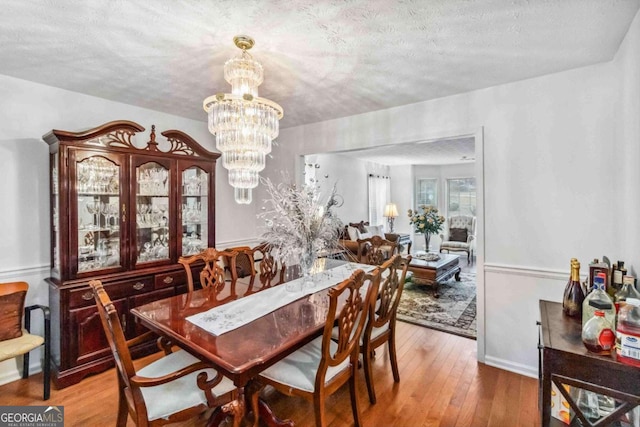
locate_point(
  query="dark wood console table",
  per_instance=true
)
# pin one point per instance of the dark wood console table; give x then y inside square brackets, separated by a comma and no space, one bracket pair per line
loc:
[565,360]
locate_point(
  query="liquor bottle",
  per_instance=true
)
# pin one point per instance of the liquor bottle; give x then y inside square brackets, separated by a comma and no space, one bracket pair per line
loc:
[598,299]
[616,278]
[628,290]
[573,293]
[628,333]
[597,334]
[594,268]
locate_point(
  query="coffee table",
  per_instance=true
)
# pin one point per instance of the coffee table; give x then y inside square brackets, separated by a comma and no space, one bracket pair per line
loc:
[433,272]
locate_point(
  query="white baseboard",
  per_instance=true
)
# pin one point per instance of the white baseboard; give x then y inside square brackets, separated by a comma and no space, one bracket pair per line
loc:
[518,368]
[11,375]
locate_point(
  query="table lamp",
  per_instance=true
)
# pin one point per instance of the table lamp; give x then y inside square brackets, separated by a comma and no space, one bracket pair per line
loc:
[390,212]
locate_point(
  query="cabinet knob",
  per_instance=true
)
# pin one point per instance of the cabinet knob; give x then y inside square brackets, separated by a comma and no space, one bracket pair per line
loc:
[87,296]
[168,280]
[138,286]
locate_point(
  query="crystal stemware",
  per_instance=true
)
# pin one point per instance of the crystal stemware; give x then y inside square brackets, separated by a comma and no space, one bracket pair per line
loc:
[93,207]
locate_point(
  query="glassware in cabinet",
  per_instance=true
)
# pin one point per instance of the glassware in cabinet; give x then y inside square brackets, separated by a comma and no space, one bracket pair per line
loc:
[153,218]
[55,215]
[194,210]
[98,213]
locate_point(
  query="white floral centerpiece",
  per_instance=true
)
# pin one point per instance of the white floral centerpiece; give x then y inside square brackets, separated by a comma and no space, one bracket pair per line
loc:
[299,223]
[427,220]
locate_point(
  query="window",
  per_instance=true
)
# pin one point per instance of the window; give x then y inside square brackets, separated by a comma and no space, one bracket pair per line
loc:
[379,195]
[427,192]
[461,193]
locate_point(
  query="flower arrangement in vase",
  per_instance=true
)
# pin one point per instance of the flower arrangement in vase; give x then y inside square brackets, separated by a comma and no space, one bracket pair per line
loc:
[427,220]
[299,223]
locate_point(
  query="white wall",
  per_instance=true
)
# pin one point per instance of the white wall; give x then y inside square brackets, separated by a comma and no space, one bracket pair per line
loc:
[550,181]
[627,110]
[350,178]
[30,110]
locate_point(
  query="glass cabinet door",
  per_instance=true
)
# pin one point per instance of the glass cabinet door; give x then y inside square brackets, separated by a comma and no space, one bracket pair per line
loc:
[55,217]
[195,210]
[152,212]
[98,213]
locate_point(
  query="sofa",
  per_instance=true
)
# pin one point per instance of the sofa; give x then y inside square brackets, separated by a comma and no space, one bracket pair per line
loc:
[354,231]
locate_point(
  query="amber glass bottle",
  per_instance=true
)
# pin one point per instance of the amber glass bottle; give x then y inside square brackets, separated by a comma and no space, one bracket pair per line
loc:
[573,293]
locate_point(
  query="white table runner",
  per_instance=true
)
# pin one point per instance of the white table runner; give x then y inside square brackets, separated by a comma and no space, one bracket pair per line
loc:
[244,310]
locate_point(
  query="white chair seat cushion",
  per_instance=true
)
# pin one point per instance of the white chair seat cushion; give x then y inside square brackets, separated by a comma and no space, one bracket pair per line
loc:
[18,346]
[376,332]
[167,399]
[457,245]
[298,370]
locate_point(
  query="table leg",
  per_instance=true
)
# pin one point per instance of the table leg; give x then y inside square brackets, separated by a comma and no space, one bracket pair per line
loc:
[546,394]
[457,275]
[235,408]
[260,407]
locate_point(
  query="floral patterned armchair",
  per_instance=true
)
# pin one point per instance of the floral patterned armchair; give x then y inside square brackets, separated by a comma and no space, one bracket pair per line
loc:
[460,235]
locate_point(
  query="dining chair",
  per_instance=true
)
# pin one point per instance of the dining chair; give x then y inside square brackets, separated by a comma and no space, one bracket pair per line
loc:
[321,367]
[173,388]
[16,338]
[381,323]
[375,250]
[210,266]
[257,263]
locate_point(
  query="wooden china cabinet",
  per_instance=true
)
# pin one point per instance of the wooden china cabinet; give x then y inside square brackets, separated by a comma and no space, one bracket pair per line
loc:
[123,212]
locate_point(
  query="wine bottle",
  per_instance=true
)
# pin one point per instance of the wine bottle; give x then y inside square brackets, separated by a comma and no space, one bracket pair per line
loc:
[616,278]
[573,293]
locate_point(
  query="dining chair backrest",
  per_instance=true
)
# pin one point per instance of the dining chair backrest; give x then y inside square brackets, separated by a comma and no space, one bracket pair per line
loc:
[245,263]
[375,250]
[348,308]
[269,272]
[213,263]
[115,335]
[381,322]
[393,274]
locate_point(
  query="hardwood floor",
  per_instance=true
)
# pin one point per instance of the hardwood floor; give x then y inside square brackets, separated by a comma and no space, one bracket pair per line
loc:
[441,385]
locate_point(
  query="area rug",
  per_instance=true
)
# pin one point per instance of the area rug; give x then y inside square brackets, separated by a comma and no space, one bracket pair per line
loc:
[454,312]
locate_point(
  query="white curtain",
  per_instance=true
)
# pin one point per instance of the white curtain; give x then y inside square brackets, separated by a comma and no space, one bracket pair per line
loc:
[379,196]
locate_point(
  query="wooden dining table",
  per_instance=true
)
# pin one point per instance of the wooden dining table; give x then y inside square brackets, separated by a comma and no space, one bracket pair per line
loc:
[243,353]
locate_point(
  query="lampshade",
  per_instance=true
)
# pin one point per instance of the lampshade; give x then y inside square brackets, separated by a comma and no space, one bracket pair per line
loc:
[244,124]
[390,210]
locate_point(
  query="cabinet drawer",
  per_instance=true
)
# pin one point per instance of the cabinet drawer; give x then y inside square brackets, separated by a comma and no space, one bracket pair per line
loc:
[173,279]
[84,296]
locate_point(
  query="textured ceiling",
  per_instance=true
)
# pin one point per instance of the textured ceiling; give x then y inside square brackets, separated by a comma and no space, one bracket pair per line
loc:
[442,152]
[322,59]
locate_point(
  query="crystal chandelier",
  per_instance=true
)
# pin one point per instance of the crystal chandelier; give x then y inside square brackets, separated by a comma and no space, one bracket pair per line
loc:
[244,124]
